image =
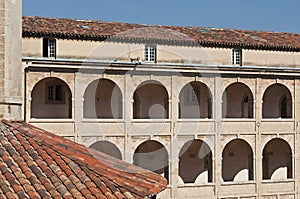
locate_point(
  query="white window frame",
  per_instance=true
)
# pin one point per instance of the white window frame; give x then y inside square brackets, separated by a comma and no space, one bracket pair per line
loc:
[150,53]
[49,48]
[52,95]
[237,56]
[191,96]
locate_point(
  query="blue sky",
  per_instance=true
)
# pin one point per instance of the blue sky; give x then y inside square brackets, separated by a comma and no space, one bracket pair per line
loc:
[269,15]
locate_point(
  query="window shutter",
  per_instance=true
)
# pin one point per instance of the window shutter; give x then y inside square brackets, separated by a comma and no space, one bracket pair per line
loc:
[45,47]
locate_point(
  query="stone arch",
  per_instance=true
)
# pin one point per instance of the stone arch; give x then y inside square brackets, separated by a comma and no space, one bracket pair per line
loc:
[152,155]
[237,161]
[277,102]
[51,98]
[277,160]
[237,101]
[195,162]
[195,101]
[150,101]
[107,148]
[103,100]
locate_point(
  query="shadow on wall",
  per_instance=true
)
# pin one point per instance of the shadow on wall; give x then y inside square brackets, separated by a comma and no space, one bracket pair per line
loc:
[152,156]
[277,160]
[277,102]
[195,162]
[51,98]
[237,161]
[151,101]
[103,100]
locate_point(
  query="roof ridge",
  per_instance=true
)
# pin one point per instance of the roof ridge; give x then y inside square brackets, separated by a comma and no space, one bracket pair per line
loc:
[96,30]
[155,25]
[81,20]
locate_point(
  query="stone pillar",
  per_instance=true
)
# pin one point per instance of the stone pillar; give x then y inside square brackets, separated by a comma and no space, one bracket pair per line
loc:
[218,88]
[128,115]
[297,127]
[77,103]
[174,161]
[217,103]
[11,78]
[258,106]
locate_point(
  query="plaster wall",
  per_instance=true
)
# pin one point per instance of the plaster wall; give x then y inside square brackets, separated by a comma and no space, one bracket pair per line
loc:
[114,51]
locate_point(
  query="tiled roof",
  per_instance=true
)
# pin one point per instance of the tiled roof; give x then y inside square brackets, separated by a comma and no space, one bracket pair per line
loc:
[38,164]
[171,35]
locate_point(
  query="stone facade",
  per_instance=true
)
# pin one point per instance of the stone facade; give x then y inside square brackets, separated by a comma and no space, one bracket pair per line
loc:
[233,136]
[214,129]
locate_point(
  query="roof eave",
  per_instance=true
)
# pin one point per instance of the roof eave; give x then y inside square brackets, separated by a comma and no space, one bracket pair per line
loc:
[113,38]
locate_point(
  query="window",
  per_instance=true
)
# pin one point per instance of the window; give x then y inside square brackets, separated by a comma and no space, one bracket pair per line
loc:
[283,107]
[236,57]
[150,53]
[247,107]
[54,93]
[49,48]
[191,96]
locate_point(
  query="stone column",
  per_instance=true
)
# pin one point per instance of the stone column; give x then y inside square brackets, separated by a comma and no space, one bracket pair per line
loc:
[258,105]
[174,161]
[218,87]
[77,104]
[297,127]
[128,115]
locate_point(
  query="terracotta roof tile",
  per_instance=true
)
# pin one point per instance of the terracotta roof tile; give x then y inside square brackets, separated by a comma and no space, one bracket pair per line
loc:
[171,35]
[38,164]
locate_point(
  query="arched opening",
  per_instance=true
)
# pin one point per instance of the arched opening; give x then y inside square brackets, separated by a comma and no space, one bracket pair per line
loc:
[152,156]
[195,162]
[51,98]
[277,102]
[151,101]
[102,100]
[277,160]
[237,161]
[195,101]
[237,101]
[107,148]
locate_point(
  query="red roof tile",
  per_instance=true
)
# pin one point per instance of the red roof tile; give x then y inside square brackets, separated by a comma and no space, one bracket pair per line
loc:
[38,164]
[171,35]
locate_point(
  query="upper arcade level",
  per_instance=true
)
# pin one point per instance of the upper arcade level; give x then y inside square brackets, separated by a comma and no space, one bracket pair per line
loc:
[129,103]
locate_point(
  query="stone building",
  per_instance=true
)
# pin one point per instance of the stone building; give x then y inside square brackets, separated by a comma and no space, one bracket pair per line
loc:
[37,164]
[215,111]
